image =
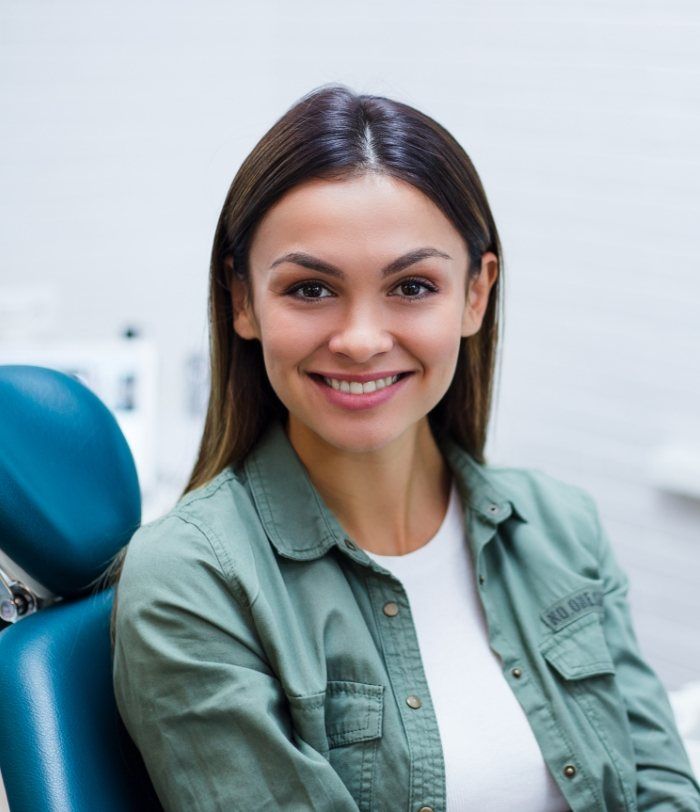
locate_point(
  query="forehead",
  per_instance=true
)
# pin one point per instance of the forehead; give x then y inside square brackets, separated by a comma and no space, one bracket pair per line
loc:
[369,215]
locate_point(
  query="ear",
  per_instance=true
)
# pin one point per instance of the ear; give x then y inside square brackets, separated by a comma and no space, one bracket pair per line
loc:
[244,322]
[478,294]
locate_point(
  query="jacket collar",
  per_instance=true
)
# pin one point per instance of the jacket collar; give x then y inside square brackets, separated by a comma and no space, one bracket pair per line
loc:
[301,526]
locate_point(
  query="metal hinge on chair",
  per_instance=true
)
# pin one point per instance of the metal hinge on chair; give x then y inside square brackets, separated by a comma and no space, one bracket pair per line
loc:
[16,599]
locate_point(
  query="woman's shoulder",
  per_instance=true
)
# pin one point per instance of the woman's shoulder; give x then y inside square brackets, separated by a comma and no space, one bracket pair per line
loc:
[555,528]
[534,485]
[535,494]
[544,499]
[210,528]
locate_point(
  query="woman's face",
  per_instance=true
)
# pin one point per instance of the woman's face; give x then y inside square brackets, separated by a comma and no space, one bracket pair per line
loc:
[364,277]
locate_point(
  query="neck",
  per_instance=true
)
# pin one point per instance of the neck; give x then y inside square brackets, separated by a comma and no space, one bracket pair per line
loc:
[390,501]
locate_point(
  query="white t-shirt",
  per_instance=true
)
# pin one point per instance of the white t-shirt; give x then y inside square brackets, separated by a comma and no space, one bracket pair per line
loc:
[492,759]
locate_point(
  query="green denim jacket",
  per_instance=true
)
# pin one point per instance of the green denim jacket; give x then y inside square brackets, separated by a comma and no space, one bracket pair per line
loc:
[255,668]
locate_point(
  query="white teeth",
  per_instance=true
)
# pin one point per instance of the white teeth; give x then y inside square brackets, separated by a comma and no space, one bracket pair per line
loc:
[355,388]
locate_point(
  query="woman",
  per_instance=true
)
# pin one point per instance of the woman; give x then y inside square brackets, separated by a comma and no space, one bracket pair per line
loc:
[348,608]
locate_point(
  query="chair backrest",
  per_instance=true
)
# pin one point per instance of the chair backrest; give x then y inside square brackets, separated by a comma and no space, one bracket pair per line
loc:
[69,501]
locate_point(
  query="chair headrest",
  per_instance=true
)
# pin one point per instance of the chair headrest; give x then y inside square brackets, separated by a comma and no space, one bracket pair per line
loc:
[69,491]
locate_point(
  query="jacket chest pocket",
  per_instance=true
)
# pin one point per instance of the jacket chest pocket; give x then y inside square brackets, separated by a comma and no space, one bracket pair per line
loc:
[344,724]
[580,658]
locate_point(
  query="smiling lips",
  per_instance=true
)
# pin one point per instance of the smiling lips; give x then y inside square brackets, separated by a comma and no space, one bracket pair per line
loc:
[355,395]
[359,384]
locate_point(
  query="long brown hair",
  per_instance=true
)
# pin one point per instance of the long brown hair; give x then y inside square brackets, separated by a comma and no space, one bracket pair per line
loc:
[333,133]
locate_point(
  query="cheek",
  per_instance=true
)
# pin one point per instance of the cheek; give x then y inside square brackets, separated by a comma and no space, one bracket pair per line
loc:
[288,337]
[435,340]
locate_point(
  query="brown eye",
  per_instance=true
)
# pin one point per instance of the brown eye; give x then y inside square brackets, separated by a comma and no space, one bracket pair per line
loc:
[411,288]
[312,288]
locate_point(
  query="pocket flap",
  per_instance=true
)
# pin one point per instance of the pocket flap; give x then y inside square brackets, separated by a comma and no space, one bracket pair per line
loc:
[580,650]
[354,711]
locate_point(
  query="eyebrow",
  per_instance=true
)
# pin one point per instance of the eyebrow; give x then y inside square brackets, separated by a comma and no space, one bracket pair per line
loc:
[396,265]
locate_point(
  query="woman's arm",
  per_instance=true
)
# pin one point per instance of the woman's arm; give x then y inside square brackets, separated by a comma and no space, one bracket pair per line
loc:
[196,692]
[665,779]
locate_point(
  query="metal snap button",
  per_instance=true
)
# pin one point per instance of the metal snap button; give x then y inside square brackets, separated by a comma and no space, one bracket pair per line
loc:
[426,809]
[413,701]
[569,771]
[391,609]
[517,673]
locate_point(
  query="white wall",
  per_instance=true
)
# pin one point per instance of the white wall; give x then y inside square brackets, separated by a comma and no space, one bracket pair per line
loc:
[124,125]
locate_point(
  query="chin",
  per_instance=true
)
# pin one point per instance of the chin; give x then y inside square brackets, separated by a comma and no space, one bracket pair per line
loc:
[360,438]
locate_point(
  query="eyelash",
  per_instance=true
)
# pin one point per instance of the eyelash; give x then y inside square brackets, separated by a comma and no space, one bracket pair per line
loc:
[309,282]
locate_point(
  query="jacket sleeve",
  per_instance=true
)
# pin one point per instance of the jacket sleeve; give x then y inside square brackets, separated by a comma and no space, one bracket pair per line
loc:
[196,691]
[665,779]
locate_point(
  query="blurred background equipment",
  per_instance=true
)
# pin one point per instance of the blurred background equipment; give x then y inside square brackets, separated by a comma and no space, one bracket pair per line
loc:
[121,372]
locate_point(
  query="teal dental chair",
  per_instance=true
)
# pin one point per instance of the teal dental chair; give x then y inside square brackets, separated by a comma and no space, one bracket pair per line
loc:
[69,501]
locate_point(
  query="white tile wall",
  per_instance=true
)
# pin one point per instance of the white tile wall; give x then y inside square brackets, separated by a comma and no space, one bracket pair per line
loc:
[123,130]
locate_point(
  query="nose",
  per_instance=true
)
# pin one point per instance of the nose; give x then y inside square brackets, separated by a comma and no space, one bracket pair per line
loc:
[361,335]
